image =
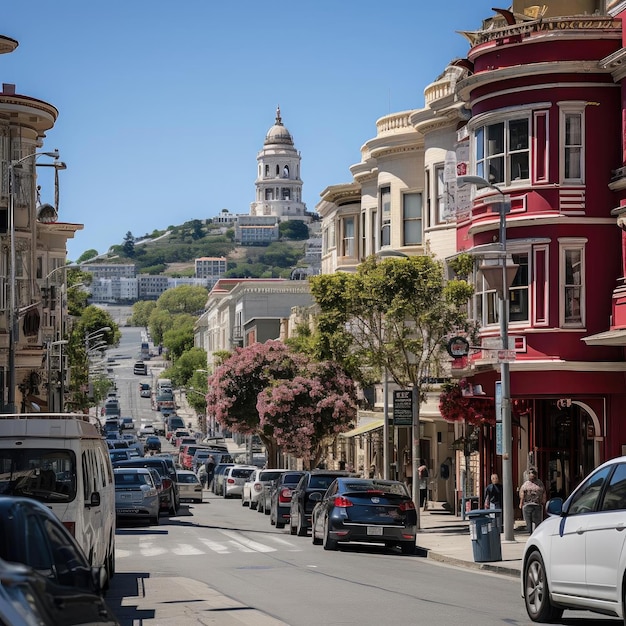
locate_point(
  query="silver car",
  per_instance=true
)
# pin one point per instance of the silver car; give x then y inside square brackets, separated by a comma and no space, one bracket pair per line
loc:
[234,478]
[189,487]
[136,495]
[253,487]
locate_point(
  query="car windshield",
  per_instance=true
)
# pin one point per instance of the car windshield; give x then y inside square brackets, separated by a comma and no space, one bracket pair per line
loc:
[240,472]
[42,474]
[186,478]
[132,479]
[398,489]
[269,475]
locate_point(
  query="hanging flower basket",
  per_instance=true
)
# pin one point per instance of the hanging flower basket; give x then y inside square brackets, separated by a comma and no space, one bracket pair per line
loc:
[455,407]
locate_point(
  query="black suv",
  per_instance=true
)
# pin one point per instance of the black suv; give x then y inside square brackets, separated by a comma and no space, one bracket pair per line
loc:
[306,495]
[281,497]
[169,498]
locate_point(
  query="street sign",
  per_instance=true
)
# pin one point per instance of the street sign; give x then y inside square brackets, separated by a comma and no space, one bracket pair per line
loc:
[498,401]
[506,356]
[402,407]
[499,438]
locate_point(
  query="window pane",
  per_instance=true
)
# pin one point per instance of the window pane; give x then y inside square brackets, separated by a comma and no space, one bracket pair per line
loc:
[615,496]
[518,135]
[496,170]
[412,233]
[385,235]
[480,146]
[572,163]
[412,205]
[586,498]
[573,266]
[573,125]
[519,166]
[495,139]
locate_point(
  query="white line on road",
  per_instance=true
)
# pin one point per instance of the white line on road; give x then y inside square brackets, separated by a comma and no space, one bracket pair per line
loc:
[184,549]
[215,546]
[252,546]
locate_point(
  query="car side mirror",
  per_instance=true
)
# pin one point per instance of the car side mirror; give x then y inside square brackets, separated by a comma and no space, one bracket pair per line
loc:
[555,506]
[315,497]
[95,499]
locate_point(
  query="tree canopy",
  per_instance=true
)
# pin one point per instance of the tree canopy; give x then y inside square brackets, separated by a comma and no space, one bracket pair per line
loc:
[183,299]
[285,398]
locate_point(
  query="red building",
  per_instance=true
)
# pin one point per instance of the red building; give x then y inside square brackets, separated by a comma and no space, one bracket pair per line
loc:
[547,128]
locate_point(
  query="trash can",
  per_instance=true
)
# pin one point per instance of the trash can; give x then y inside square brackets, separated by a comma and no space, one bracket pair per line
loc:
[485,535]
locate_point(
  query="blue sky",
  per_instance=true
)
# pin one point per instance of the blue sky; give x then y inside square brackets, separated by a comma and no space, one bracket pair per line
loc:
[164,105]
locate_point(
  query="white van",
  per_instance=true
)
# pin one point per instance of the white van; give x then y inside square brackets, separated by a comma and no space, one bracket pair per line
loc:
[163,383]
[63,461]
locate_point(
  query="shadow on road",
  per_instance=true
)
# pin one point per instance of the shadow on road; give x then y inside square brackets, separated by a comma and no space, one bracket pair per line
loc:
[124,588]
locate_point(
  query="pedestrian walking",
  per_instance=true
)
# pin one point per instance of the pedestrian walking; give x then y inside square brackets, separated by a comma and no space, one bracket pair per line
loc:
[422,473]
[209,466]
[532,497]
[493,498]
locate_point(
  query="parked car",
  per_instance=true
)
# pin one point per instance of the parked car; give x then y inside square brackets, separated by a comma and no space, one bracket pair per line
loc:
[218,477]
[31,534]
[127,423]
[365,510]
[303,502]
[119,454]
[280,498]
[133,442]
[136,494]
[253,487]
[575,558]
[189,486]
[169,499]
[145,430]
[153,443]
[234,478]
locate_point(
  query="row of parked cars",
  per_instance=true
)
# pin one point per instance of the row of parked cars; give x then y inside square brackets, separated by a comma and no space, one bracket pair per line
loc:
[334,506]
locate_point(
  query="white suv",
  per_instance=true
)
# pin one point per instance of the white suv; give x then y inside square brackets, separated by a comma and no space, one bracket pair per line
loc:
[576,558]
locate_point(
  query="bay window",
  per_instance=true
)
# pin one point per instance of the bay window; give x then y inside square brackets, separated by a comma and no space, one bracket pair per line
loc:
[412,219]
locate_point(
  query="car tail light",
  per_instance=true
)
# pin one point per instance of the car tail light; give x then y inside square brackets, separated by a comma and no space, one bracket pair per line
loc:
[407,506]
[71,526]
[258,487]
[284,495]
[341,502]
[231,481]
[167,483]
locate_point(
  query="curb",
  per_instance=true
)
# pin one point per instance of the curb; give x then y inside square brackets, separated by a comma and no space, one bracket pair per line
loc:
[486,567]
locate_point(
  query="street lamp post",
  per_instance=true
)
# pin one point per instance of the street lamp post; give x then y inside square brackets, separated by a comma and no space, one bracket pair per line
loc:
[51,345]
[505,376]
[13,319]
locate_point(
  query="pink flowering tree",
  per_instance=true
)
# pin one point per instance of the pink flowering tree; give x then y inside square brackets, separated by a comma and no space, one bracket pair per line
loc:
[309,411]
[268,390]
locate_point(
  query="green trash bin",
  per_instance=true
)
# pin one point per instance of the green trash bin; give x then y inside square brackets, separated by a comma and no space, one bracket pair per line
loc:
[485,535]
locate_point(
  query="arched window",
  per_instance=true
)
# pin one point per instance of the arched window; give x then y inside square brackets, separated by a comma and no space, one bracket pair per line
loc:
[286,171]
[267,171]
[277,171]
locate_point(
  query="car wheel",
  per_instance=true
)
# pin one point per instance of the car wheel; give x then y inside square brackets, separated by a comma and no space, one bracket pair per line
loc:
[537,593]
[244,502]
[328,541]
[266,510]
[279,523]
[154,521]
[302,529]
[407,547]
[173,509]
[253,505]
[292,529]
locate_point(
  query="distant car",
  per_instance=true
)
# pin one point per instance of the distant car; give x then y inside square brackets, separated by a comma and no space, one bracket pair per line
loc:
[127,423]
[140,368]
[575,558]
[153,443]
[159,428]
[119,455]
[136,494]
[189,486]
[146,429]
[280,498]
[303,499]
[253,487]
[366,510]
[145,391]
[234,478]
[218,477]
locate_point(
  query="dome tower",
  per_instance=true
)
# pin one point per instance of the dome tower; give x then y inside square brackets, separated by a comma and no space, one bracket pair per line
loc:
[278,183]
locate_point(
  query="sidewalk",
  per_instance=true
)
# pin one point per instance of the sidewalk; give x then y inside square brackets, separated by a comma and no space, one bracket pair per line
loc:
[446,538]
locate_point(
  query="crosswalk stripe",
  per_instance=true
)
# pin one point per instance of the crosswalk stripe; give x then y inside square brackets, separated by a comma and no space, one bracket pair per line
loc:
[254,546]
[215,546]
[149,549]
[184,549]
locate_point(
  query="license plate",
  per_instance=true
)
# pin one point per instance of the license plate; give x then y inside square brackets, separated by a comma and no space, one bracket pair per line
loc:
[375,531]
[125,496]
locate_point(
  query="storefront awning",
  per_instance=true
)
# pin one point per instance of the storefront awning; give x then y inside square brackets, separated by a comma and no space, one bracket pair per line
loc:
[608,338]
[365,428]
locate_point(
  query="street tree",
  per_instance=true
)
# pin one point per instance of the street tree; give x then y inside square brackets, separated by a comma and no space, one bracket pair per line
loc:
[179,338]
[236,386]
[183,299]
[141,312]
[396,315]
